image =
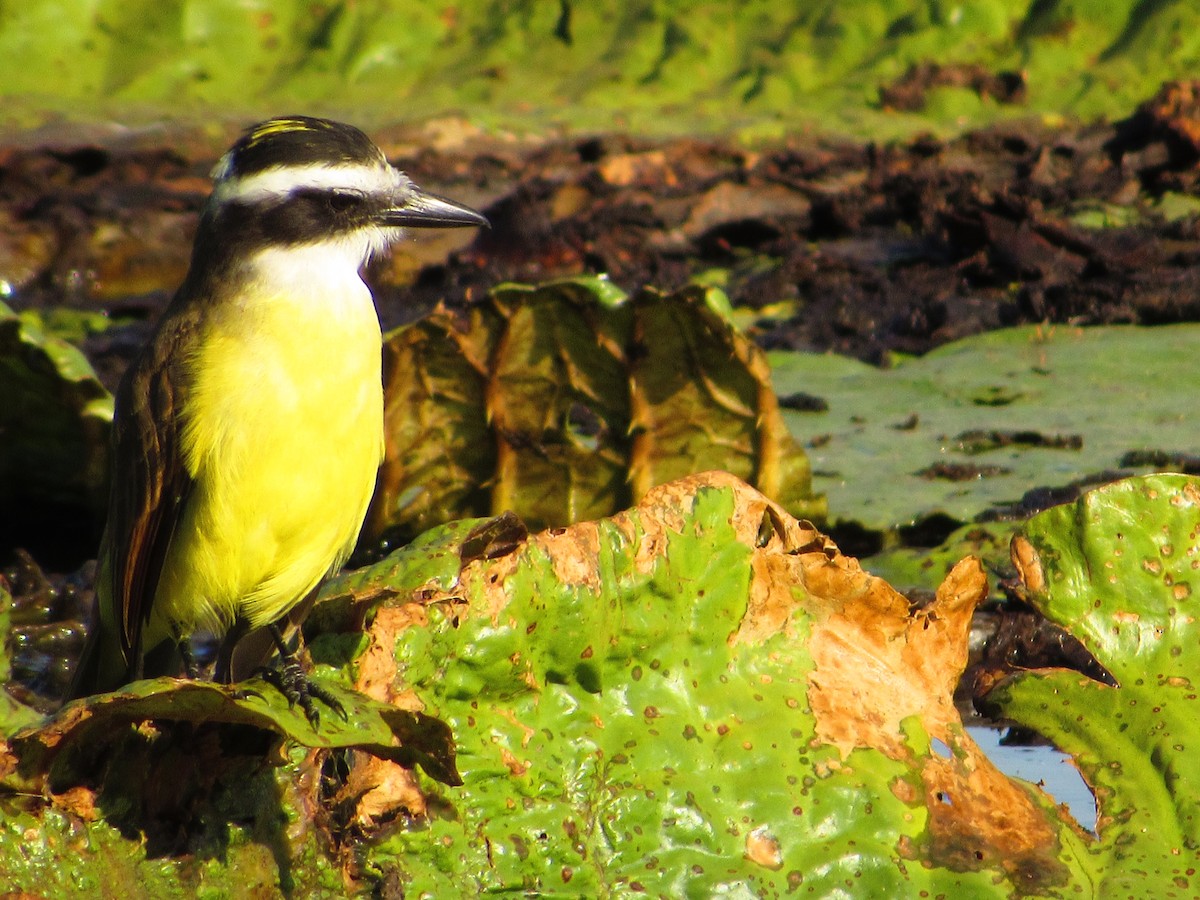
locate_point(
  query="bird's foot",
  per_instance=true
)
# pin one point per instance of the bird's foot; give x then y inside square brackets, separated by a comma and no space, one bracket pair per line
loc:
[297,687]
[291,680]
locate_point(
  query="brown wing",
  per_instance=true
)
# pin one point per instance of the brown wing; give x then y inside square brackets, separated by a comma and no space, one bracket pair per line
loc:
[149,481]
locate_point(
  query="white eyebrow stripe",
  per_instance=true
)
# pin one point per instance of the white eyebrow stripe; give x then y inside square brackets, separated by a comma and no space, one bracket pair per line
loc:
[283,180]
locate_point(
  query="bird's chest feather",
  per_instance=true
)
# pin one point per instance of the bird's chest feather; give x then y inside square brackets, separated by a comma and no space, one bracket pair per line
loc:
[287,387]
[282,436]
[297,354]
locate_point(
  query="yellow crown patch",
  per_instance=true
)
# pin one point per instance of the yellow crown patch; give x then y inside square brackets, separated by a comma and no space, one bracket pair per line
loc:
[283,126]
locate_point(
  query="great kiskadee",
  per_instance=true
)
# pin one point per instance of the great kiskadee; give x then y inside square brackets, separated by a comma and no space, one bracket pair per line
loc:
[248,430]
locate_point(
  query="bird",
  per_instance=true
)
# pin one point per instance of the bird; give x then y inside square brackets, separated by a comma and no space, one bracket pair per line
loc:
[248,430]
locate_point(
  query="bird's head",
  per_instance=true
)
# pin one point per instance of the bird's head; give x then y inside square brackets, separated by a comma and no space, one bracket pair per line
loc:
[296,181]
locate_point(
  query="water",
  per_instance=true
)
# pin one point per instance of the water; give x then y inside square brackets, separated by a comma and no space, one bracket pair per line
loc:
[1043,766]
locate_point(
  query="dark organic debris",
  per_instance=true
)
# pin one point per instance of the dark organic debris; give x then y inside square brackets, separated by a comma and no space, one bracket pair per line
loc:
[1162,461]
[1039,498]
[494,538]
[802,402]
[1024,639]
[45,629]
[909,91]
[1165,129]
[996,396]
[928,531]
[948,471]
[981,441]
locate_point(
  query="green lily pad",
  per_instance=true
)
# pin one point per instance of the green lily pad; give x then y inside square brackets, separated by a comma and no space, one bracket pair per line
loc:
[979,422]
[1120,569]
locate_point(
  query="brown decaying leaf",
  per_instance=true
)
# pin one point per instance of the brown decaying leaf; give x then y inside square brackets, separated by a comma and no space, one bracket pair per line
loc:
[763,848]
[1027,564]
[878,660]
[383,790]
[644,169]
[555,406]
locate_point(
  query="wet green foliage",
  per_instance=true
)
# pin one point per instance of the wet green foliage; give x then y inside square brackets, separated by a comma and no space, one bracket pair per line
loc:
[697,696]
[1121,570]
[48,853]
[766,67]
[54,420]
[620,732]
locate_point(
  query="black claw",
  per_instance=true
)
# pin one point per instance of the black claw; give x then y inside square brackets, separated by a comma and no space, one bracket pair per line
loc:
[326,697]
[291,681]
[295,686]
[246,693]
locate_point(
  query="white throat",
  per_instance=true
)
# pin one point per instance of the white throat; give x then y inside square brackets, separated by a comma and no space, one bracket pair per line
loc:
[322,276]
[334,260]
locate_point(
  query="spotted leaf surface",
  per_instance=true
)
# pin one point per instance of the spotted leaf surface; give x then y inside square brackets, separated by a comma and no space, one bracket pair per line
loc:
[1120,569]
[699,695]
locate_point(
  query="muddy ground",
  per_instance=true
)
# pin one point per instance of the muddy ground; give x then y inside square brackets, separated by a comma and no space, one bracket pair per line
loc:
[870,249]
[854,248]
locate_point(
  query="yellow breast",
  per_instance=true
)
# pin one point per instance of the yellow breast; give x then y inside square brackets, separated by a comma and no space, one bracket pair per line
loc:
[283,433]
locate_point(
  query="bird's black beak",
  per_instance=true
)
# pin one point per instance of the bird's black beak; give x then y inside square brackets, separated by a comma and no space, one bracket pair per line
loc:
[422,210]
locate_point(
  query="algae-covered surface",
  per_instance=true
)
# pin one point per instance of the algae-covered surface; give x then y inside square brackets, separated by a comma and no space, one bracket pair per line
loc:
[878,67]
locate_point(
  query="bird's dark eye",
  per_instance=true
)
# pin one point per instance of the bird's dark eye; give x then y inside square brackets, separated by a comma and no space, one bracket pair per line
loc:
[340,201]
